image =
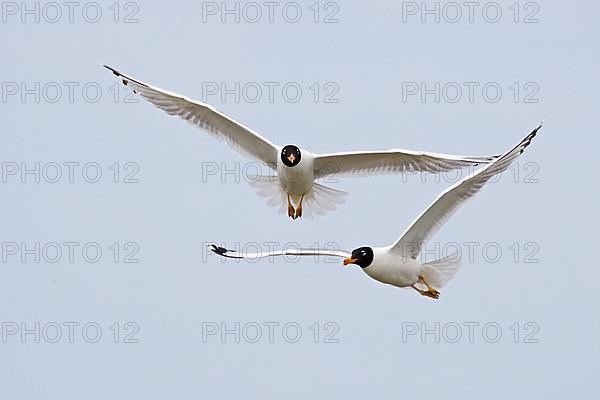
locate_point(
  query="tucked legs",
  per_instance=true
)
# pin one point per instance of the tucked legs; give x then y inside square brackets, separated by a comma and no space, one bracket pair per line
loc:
[430,292]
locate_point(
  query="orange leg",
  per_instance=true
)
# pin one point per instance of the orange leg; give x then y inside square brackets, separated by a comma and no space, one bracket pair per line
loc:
[430,292]
[299,209]
[291,211]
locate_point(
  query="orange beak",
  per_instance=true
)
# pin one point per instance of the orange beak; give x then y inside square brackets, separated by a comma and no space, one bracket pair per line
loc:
[291,157]
[350,261]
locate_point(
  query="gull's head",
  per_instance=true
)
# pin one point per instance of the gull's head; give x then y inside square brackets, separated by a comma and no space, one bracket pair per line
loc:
[290,155]
[363,257]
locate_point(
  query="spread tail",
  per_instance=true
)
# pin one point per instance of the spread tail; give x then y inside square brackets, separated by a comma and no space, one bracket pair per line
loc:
[439,272]
[319,200]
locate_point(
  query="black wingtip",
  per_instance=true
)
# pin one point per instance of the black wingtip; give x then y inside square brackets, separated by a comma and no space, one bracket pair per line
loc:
[491,159]
[222,251]
[124,78]
[534,132]
[218,249]
[527,141]
[117,73]
[111,69]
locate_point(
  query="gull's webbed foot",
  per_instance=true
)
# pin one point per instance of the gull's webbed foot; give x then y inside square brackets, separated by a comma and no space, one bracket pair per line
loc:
[431,292]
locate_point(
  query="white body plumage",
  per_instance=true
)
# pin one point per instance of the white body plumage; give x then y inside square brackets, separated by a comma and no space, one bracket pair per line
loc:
[388,267]
[299,179]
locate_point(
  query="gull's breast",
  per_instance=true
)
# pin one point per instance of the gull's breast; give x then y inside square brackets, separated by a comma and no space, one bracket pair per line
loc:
[394,270]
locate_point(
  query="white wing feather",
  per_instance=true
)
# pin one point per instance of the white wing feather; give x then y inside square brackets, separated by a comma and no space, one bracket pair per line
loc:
[219,125]
[222,251]
[390,161]
[450,200]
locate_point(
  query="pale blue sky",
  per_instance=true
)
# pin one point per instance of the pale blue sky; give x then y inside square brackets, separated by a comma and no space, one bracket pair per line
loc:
[175,290]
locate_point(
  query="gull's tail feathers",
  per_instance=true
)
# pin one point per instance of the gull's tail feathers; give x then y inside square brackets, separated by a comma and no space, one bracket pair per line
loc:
[318,201]
[321,200]
[267,186]
[439,272]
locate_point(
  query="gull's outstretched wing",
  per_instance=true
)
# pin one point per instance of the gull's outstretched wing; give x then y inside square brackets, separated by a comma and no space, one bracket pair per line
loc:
[288,252]
[447,203]
[238,136]
[363,163]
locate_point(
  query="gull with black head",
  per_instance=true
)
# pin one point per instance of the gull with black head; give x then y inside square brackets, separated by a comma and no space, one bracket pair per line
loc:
[397,264]
[296,169]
